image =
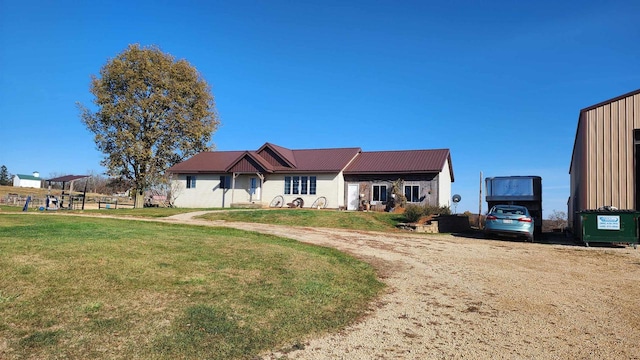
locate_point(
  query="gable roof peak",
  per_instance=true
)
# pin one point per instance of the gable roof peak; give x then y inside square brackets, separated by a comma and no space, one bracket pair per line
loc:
[285,154]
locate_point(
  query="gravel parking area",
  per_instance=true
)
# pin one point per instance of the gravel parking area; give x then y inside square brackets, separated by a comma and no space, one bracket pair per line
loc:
[468,298]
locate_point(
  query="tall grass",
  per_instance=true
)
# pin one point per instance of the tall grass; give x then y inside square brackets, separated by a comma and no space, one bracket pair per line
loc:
[102,288]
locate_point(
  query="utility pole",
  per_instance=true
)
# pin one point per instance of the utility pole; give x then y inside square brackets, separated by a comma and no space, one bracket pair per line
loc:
[480,203]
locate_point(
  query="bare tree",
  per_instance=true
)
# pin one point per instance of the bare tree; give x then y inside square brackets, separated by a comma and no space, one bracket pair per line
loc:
[558,219]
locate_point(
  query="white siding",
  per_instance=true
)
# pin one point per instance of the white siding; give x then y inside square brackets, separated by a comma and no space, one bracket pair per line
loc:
[207,193]
[240,193]
[340,191]
[17,182]
[327,185]
[444,185]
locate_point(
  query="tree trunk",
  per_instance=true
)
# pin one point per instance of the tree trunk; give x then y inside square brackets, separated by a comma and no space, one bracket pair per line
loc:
[139,199]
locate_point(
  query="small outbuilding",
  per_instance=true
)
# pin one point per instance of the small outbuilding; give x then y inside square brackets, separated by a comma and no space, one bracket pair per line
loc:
[604,167]
[30,181]
[68,198]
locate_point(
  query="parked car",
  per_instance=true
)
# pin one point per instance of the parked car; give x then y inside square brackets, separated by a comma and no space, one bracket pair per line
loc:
[509,220]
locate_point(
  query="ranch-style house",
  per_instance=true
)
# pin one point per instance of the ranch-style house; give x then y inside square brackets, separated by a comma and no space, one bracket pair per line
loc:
[344,178]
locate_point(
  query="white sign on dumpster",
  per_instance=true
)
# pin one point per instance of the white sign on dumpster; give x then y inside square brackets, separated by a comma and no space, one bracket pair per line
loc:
[608,222]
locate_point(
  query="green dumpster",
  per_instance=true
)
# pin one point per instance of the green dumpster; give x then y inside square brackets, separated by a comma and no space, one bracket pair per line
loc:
[609,226]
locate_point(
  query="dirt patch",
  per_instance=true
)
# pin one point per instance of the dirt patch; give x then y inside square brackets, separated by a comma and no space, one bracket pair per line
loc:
[456,297]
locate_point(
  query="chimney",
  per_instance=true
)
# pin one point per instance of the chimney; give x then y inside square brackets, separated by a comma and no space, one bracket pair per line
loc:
[36,174]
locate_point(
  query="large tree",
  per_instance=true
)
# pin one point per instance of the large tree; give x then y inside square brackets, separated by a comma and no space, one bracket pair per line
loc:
[153,111]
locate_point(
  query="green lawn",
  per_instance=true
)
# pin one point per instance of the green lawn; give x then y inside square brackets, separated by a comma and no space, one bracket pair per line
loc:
[374,221]
[149,212]
[102,288]
[6,208]
[355,220]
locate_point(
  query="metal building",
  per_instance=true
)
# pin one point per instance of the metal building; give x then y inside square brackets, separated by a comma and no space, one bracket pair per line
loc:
[603,168]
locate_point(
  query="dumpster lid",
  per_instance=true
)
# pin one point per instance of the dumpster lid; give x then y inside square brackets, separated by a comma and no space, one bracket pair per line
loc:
[608,209]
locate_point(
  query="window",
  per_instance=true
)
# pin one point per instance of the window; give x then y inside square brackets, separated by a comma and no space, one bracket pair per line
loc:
[379,193]
[191,182]
[300,185]
[287,185]
[253,186]
[296,184]
[412,193]
[312,185]
[225,182]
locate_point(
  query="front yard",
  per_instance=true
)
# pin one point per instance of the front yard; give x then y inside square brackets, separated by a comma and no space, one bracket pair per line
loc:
[76,287]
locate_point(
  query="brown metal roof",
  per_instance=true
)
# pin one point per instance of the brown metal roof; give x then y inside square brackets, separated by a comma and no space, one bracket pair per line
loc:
[323,160]
[401,162]
[352,160]
[207,162]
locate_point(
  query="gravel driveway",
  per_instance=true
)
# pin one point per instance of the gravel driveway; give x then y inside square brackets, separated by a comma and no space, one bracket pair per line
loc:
[463,298]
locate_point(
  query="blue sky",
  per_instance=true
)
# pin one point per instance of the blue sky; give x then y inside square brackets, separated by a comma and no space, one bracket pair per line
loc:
[499,84]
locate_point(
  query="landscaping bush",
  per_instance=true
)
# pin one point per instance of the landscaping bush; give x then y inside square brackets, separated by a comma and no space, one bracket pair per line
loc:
[413,213]
[436,210]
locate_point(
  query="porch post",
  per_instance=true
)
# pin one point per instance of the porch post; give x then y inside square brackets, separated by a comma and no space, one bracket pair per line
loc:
[233,186]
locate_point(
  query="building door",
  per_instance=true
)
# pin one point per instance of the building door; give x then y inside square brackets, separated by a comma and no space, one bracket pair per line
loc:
[254,189]
[352,196]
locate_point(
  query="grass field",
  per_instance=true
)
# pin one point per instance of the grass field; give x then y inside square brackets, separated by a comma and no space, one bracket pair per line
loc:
[9,189]
[102,288]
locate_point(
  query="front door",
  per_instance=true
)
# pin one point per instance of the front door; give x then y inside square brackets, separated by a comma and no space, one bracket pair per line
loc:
[254,189]
[352,196]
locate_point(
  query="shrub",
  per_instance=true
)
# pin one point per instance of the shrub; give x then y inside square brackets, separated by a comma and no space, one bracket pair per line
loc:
[413,213]
[445,210]
[436,210]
